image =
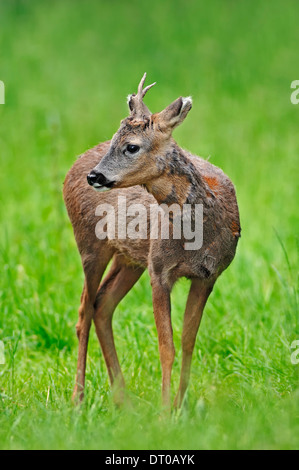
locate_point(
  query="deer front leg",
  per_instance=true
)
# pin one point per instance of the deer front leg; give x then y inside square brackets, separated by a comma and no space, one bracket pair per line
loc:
[161,306]
[198,295]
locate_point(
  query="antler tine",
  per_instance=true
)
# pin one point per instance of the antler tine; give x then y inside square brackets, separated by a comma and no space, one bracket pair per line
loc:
[147,88]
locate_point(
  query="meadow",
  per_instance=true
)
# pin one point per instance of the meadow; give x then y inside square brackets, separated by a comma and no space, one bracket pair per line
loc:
[67,67]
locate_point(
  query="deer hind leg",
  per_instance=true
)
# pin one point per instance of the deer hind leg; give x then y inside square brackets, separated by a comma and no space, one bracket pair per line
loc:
[93,270]
[119,280]
[198,296]
[162,314]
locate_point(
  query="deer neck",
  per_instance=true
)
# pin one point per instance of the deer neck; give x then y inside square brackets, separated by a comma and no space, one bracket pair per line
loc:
[179,181]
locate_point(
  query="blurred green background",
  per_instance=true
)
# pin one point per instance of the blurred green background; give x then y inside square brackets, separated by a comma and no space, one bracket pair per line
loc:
[68,67]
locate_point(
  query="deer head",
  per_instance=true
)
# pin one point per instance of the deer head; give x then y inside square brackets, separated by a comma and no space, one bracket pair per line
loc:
[136,151]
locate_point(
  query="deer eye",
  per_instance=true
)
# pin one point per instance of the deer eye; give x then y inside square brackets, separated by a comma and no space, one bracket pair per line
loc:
[132,148]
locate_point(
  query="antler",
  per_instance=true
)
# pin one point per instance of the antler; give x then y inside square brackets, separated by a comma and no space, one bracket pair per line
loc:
[141,92]
[136,105]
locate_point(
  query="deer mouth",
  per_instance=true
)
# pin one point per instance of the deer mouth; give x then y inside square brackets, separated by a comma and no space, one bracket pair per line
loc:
[103,187]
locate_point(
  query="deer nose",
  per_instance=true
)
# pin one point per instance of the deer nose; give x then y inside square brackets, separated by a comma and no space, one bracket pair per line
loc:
[96,178]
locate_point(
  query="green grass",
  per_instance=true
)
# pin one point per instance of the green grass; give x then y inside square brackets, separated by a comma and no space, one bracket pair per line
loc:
[68,67]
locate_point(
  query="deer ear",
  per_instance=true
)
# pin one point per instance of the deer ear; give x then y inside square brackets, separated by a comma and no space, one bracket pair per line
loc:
[130,101]
[175,113]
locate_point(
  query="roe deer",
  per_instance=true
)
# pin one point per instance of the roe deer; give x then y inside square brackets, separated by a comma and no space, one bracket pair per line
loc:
[144,164]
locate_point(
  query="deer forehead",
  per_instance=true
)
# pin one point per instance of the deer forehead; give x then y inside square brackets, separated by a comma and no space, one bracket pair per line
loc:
[134,132]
